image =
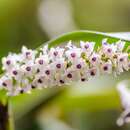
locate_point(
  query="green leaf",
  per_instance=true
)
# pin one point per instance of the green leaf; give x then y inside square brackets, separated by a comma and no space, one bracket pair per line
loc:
[86,36]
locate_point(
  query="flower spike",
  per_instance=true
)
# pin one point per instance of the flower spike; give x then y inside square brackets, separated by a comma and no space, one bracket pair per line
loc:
[61,65]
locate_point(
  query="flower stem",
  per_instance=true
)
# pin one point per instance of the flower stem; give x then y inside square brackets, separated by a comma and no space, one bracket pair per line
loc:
[6,117]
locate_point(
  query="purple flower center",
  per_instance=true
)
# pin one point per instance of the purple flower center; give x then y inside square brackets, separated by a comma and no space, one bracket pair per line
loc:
[105,68]
[94,59]
[40,81]
[4,84]
[28,68]
[38,70]
[86,46]
[69,75]
[8,62]
[58,66]
[109,50]
[40,62]
[28,53]
[21,91]
[73,55]
[62,82]
[83,79]
[92,73]
[105,43]
[121,59]
[47,72]
[15,72]
[55,53]
[79,66]
[33,87]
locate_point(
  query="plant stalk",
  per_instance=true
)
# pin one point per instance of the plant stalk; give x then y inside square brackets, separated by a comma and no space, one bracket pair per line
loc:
[6,117]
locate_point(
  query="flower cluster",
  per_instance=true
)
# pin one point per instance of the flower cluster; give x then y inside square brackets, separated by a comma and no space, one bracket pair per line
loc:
[61,65]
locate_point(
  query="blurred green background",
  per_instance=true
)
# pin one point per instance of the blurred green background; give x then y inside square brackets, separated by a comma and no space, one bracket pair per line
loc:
[94,105]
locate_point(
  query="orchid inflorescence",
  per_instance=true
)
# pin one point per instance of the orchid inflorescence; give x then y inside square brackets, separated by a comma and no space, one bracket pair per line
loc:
[61,65]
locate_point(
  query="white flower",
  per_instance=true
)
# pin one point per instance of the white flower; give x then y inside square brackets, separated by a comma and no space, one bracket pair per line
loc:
[49,73]
[79,65]
[104,41]
[59,65]
[124,118]
[87,47]
[28,69]
[72,76]
[41,62]
[125,99]
[27,54]
[120,45]
[108,49]
[122,62]
[8,62]
[73,54]
[92,72]
[39,82]
[106,67]
[124,94]
[95,59]
[56,53]
[6,82]
[13,89]
[16,73]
